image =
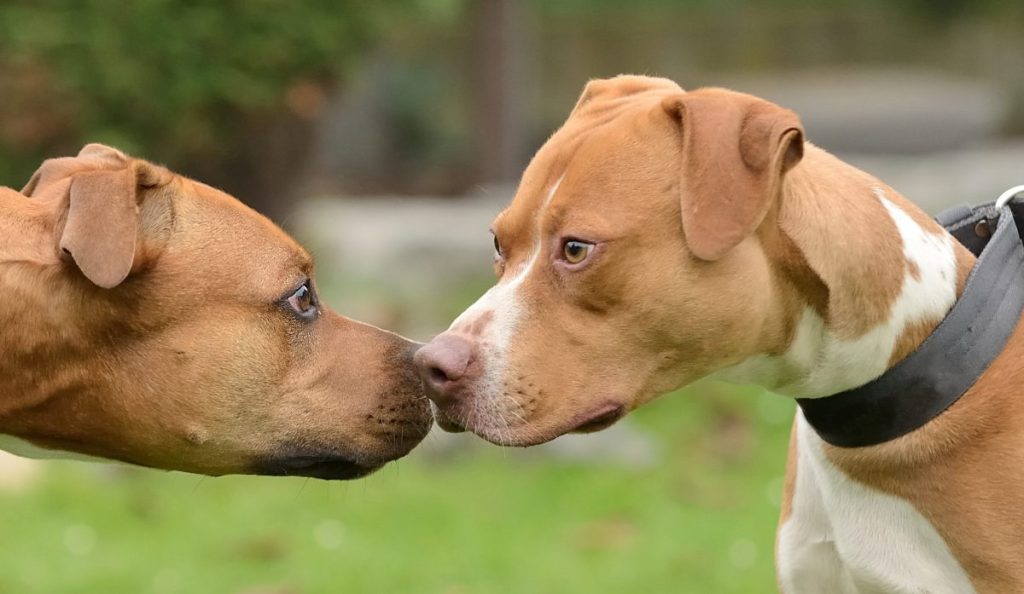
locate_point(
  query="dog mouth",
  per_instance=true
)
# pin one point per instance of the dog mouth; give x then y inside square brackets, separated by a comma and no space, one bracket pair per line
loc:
[602,418]
[595,420]
[445,422]
[327,467]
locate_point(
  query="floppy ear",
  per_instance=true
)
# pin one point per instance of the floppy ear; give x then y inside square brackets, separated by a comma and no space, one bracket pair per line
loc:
[101,226]
[605,90]
[735,150]
[92,156]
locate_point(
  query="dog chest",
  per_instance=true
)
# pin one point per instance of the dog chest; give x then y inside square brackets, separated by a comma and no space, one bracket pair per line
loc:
[845,538]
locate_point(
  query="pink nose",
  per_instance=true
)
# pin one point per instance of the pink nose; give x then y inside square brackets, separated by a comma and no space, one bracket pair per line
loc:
[443,365]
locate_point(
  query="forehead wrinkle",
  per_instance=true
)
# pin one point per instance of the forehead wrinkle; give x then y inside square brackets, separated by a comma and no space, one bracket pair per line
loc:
[600,114]
[585,224]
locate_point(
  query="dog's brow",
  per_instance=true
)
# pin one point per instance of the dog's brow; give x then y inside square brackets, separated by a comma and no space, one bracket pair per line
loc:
[298,261]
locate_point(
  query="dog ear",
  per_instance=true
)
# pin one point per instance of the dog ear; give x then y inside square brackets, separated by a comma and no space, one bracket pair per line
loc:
[735,150]
[101,226]
[605,90]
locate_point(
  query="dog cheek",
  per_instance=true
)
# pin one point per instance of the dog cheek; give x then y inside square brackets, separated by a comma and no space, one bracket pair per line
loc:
[361,393]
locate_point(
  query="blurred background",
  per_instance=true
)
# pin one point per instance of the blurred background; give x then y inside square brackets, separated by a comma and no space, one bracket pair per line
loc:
[386,135]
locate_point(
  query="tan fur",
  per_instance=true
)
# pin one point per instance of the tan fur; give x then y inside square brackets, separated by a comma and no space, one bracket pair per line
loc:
[193,362]
[619,156]
[755,141]
[660,304]
[616,151]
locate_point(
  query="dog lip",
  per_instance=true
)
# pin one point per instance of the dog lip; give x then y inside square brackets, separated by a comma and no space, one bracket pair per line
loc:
[599,419]
[445,422]
[328,467]
[595,420]
[449,425]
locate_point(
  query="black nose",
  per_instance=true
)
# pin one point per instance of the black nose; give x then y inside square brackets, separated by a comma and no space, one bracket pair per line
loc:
[443,365]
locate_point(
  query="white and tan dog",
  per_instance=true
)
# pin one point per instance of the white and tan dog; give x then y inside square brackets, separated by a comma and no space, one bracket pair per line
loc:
[662,236]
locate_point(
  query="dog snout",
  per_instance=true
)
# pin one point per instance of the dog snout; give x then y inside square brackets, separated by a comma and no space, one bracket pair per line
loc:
[444,365]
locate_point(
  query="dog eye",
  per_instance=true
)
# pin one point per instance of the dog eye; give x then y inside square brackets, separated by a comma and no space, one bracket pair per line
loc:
[497,248]
[575,251]
[303,301]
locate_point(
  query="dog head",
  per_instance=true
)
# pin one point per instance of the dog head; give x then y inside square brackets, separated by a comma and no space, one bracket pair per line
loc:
[627,262]
[152,319]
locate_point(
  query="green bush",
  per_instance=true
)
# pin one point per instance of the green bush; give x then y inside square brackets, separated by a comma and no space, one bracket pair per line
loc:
[198,85]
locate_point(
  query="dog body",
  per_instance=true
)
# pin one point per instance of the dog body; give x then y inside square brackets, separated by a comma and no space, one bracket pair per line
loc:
[148,318]
[662,236]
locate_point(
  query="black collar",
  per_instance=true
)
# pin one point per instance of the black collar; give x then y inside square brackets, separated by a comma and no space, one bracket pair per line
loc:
[933,377]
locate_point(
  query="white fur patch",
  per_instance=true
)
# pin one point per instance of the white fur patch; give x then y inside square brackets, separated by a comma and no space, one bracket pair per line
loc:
[822,364]
[845,538]
[503,304]
[501,298]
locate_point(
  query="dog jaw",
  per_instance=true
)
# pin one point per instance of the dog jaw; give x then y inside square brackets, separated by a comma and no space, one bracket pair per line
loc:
[194,361]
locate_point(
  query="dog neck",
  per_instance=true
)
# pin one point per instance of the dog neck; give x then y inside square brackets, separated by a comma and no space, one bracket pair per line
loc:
[33,328]
[26,229]
[862,278]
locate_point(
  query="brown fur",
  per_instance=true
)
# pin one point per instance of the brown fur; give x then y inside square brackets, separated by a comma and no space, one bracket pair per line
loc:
[189,359]
[661,303]
[626,157]
[619,149]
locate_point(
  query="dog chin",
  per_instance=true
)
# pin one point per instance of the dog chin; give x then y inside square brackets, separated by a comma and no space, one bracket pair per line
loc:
[508,436]
[519,436]
[446,422]
[327,467]
[526,434]
[599,419]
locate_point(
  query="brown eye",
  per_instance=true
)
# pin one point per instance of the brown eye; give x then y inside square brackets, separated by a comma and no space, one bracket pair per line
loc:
[303,301]
[497,247]
[574,251]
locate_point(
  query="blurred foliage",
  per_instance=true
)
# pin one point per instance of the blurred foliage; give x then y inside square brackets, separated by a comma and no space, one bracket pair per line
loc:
[234,92]
[923,9]
[189,83]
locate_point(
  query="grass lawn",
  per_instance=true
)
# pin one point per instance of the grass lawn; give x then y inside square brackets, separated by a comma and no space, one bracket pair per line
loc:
[489,521]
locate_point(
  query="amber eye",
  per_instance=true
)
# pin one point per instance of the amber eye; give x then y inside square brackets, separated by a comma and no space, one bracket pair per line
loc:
[574,251]
[303,301]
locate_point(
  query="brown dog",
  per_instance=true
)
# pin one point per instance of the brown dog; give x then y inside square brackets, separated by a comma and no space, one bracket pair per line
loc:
[662,236]
[148,318]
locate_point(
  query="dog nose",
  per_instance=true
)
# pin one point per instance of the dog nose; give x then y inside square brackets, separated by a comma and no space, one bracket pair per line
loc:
[442,363]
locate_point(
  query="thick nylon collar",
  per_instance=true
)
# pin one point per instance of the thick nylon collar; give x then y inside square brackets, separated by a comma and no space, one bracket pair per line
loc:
[933,377]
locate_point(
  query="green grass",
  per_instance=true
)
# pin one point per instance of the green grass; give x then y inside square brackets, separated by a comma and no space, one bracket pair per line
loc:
[489,521]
